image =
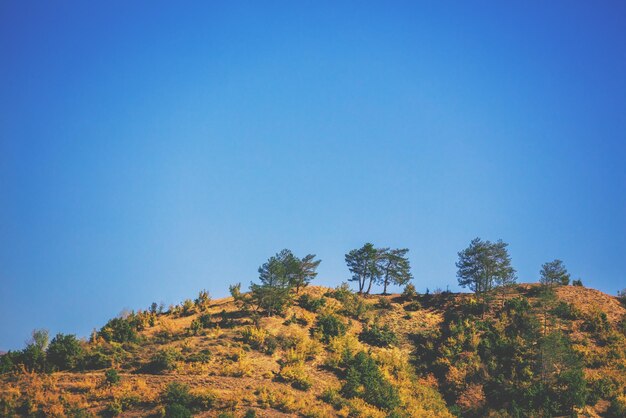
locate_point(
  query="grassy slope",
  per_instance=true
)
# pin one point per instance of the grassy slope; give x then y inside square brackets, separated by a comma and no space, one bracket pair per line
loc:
[240,377]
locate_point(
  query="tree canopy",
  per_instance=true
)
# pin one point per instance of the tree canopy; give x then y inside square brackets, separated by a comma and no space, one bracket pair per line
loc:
[485,265]
[554,273]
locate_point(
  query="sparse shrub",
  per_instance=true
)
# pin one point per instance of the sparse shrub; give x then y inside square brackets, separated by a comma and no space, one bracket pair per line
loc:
[341,292]
[113,409]
[333,398]
[352,304]
[203,356]
[259,339]
[64,352]
[310,303]
[601,388]
[384,303]
[409,292]
[596,322]
[297,375]
[164,360]
[617,408]
[413,306]
[187,308]
[203,399]
[205,320]
[112,377]
[329,326]
[378,336]
[195,327]
[203,301]
[565,310]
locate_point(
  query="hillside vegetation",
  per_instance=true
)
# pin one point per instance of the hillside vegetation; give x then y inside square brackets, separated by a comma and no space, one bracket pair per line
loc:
[286,349]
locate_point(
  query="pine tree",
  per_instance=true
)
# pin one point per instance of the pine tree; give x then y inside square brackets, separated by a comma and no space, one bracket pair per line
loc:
[395,267]
[554,273]
[483,266]
[364,266]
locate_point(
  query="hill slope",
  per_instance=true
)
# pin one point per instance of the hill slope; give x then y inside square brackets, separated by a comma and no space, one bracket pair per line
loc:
[424,355]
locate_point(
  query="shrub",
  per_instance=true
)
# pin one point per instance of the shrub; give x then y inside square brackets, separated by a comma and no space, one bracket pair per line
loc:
[195,327]
[310,303]
[383,303]
[164,360]
[177,411]
[259,339]
[329,326]
[341,292]
[409,292]
[176,393]
[250,413]
[577,282]
[203,300]
[205,320]
[112,377]
[565,310]
[113,409]
[413,306]
[365,380]
[296,375]
[378,336]
[354,305]
[203,356]
[187,308]
[64,352]
[621,296]
[120,330]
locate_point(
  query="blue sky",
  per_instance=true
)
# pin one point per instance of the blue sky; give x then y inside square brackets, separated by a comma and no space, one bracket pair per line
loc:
[152,149]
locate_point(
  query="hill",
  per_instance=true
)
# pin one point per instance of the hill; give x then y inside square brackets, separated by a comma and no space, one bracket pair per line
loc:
[335,353]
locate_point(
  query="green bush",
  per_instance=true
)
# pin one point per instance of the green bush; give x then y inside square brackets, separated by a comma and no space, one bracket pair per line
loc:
[250,413]
[378,336]
[565,310]
[329,326]
[341,292]
[365,380]
[176,393]
[577,282]
[113,409]
[112,377]
[383,303]
[64,352]
[164,360]
[310,303]
[120,330]
[177,411]
[409,292]
[413,306]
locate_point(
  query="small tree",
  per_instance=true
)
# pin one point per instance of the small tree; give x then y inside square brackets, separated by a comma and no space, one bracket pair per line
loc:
[394,266]
[273,294]
[483,266]
[203,300]
[34,355]
[363,264]
[554,273]
[303,271]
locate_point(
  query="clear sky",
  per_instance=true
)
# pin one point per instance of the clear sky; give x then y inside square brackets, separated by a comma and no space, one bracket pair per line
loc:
[152,149]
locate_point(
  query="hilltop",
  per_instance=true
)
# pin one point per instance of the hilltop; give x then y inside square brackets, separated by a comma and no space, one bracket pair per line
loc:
[335,353]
